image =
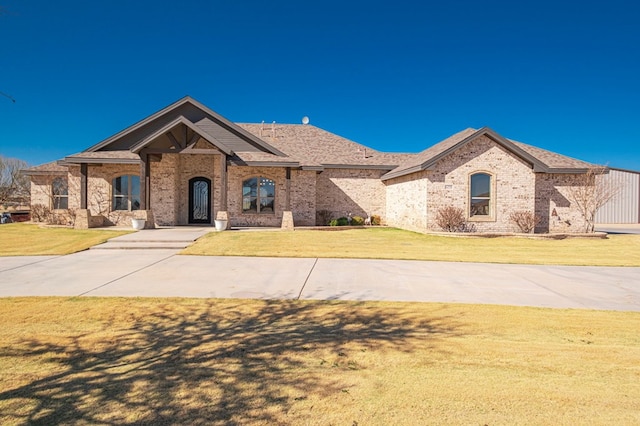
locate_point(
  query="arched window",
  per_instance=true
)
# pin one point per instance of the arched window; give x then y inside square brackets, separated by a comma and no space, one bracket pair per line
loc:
[480,202]
[258,195]
[126,192]
[60,193]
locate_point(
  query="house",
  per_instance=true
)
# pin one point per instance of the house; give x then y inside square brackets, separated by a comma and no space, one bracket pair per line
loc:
[186,164]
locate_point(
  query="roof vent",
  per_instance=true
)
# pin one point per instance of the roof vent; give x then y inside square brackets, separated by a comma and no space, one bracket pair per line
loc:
[305,120]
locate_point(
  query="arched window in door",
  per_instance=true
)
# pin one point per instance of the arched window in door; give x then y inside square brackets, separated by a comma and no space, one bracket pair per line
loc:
[200,200]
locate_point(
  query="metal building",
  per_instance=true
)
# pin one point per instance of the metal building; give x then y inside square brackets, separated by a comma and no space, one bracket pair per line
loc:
[625,206]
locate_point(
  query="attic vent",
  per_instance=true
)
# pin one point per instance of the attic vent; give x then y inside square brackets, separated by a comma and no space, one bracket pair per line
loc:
[366,155]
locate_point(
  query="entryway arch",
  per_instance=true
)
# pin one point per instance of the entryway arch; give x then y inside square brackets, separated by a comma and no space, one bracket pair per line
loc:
[199,200]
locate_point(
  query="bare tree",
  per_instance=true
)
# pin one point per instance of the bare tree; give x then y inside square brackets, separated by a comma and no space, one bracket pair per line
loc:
[14,186]
[590,193]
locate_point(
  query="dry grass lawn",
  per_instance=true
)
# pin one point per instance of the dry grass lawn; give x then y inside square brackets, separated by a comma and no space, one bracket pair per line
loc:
[390,243]
[219,362]
[22,239]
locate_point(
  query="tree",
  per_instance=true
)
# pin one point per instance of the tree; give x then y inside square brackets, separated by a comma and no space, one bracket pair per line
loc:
[590,193]
[14,186]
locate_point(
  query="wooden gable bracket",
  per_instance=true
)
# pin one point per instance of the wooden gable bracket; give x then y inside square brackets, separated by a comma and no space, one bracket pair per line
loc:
[174,141]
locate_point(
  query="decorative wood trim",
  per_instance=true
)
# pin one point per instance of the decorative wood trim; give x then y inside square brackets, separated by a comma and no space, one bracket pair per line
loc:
[223,182]
[83,185]
[288,190]
[173,140]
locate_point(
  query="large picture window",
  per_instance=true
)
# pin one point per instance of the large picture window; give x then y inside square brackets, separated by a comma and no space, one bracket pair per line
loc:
[60,193]
[258,195]
[126,192]
[480,203]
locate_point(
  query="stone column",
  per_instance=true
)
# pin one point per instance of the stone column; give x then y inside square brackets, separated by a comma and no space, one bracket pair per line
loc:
[287,215]
[223,214]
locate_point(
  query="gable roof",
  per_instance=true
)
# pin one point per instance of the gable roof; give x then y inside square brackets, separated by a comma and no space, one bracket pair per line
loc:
[191,113]
[539,159]
[289,145]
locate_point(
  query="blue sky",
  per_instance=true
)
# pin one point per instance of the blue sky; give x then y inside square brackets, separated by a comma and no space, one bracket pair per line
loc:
[396,76]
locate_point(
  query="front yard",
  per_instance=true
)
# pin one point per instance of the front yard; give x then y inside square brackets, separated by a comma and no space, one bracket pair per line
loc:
[22,239]
[391,243]
[196,361]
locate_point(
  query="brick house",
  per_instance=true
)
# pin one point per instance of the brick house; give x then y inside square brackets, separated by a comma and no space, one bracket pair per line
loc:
[187,164]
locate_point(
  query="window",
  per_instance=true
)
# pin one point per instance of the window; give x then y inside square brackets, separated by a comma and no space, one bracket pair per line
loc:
[480,203]
[60,192]
[258,195]
[126,192]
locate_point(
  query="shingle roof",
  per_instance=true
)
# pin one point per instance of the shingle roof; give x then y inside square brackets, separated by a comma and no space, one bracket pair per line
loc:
[312,146]
[553,160]
[120,156]
[291,145]
[540,159]
[51,168]
[414,161]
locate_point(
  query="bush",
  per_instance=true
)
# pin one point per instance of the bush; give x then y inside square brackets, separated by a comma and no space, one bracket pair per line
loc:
[357,220]
[451,219]
[341,221]
[526,221]
[40,213]
[375,220]
[323,217]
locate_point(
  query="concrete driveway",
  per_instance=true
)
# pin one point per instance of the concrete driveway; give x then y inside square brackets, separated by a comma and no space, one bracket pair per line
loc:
[162,273]
[624,228]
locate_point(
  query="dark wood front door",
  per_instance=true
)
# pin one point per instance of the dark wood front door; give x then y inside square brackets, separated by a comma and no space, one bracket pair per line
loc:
[199,200]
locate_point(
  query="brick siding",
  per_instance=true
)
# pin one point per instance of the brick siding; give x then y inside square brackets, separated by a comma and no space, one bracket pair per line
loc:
[356,191]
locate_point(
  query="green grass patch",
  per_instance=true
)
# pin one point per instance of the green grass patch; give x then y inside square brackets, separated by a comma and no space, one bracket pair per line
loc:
[391,243]
[197,361]
[22,239]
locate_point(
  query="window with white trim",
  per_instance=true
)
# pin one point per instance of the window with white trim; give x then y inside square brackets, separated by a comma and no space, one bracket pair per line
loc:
[126,192]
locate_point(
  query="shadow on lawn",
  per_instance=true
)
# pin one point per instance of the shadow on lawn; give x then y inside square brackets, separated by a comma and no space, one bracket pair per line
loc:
[211,364]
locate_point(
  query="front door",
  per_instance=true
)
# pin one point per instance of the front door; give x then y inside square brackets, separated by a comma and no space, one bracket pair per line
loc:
[199,200]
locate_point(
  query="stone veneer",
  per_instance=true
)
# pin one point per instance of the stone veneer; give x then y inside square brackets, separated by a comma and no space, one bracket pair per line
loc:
[191,166]
[513,183]
[407,202]
[99,191]
[356,191]
[303,197]
[236,175]
[553,205]
[413,201]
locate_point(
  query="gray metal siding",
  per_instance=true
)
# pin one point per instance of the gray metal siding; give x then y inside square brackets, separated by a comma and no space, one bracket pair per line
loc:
[625,206]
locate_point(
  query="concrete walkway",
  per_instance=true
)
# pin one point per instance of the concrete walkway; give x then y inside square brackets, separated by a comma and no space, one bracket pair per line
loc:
[162,273]
[175,238]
